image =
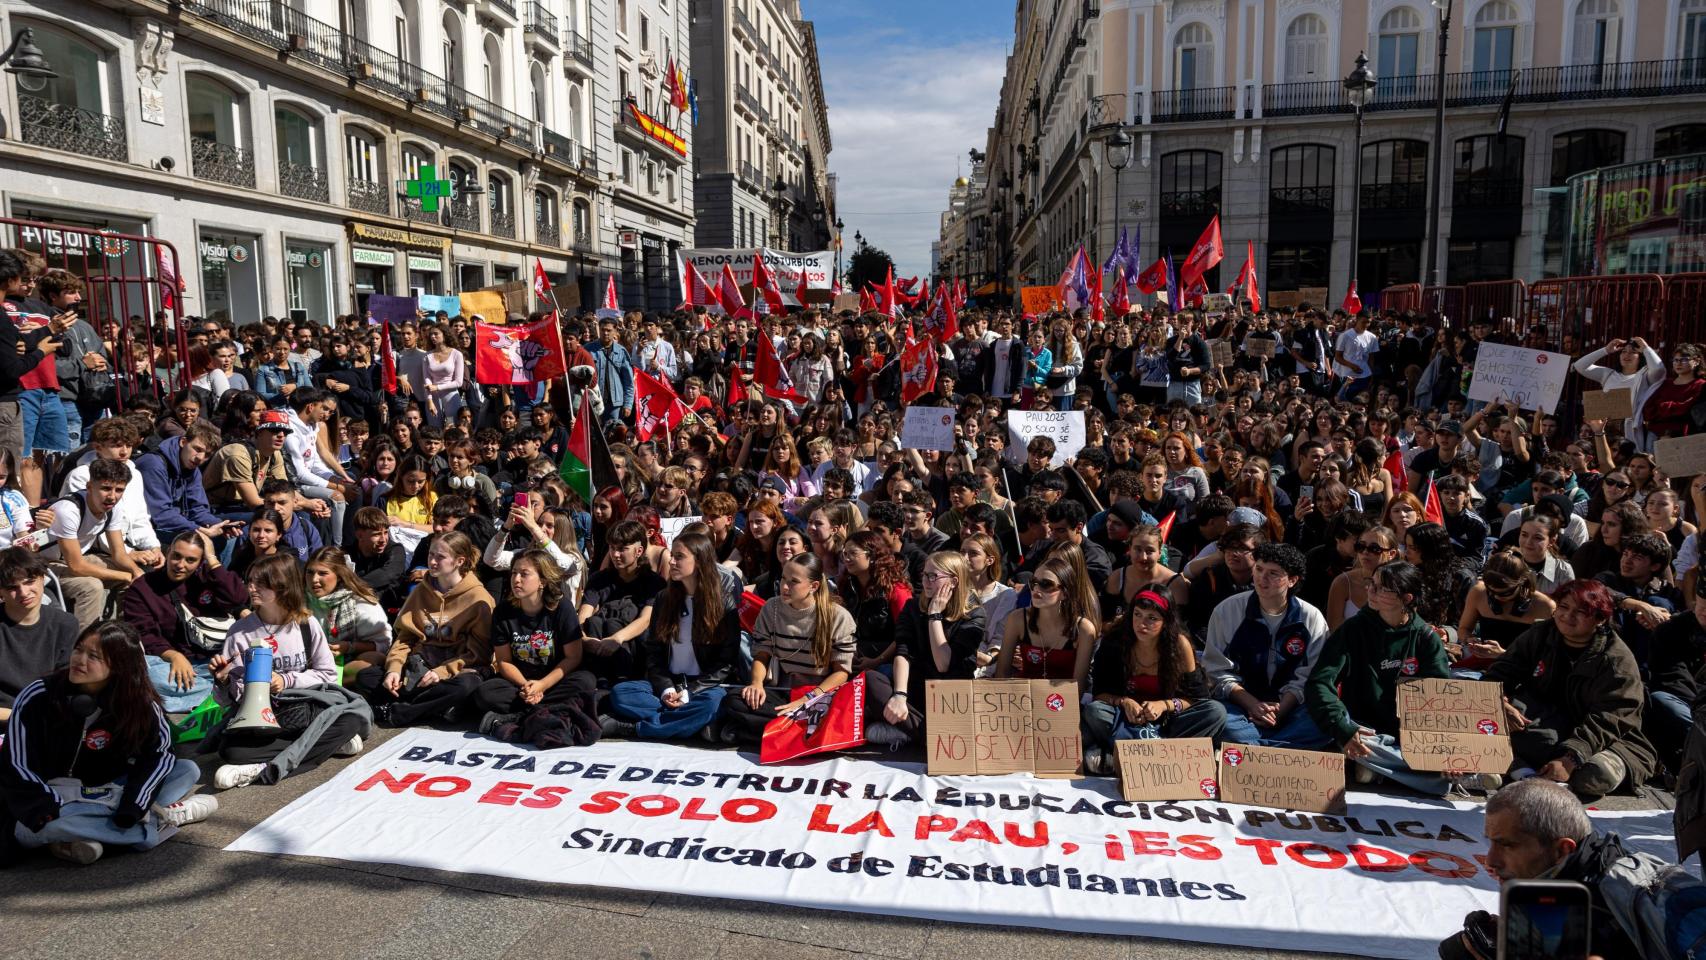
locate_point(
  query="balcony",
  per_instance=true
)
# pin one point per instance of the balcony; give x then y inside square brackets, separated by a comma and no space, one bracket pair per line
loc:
[303,182]
[1592,81]
[60,126]
[1104,111]
[559,147]
[547,234]
[752,177]
[368,196]
[504,7]
[503,224]
[221,162]
[744,28]
[1198,103]
[541,24]
[460,214]
[577,50]
[1301,201]
[746,98]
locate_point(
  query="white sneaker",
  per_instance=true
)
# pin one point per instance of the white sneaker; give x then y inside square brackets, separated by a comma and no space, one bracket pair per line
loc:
[351,747]
[82,852]
[234,775]
[191,809]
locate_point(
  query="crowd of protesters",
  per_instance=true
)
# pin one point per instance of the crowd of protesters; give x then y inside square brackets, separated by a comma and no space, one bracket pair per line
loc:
[1255,552]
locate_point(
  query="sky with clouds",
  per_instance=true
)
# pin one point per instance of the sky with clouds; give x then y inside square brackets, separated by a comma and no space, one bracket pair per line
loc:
[911,86]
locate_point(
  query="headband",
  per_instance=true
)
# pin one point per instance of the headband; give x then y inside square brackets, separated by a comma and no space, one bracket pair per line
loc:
[1152,597]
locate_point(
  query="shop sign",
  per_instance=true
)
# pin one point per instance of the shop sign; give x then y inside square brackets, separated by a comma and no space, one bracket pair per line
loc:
[373,258]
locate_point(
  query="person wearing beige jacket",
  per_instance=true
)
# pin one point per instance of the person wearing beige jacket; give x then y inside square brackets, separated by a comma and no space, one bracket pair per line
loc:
[442,649]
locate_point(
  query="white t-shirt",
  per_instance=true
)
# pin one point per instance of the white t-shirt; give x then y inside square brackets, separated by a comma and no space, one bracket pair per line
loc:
[302,444]
[130,517]
[682,659]
[998,385]
[74,521]
[1357,348]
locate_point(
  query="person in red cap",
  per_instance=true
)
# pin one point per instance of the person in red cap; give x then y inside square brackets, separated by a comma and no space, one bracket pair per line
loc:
[238,469]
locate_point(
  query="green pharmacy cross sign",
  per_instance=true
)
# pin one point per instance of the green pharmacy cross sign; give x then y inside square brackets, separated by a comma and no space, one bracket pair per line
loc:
[428,189]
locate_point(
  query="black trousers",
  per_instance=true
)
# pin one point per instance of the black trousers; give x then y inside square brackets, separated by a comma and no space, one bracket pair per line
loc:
[417,704]
[498,695]
[879,688]
[749,721]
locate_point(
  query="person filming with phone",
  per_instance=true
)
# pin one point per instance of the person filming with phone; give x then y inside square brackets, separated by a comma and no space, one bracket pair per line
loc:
[1537,830]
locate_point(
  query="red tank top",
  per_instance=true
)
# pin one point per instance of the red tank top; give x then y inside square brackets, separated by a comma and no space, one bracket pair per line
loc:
[1042,663]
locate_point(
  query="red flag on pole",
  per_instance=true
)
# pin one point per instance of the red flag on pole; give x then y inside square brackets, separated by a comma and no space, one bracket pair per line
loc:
[960,292]
[770,375]
[520,353]
[1432,511]
[917,370]
[942,321]
[867,302]
[656,406]
[695,292]
[1353,303]
[1245,285]
[1153,278]
[888,299]
[1098,310]
[1207,252]
[801,290]
[542,286]
[737,385]
[1121,302]
[728,292]
[766,295]
[611,309]
[388,362]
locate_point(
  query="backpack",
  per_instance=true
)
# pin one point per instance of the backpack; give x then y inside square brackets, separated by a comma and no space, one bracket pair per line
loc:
[1660,906]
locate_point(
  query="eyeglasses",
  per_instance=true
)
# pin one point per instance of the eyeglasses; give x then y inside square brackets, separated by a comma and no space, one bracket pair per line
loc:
[1371,548]
[1045,586]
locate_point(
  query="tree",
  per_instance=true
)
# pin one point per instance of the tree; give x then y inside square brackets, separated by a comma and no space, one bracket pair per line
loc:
[869,265]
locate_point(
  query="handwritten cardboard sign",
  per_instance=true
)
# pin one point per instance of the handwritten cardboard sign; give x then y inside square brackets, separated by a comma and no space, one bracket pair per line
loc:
[1220,352]
[1261,346]
[1682,456]
[1453,726]
[1287,779]
[1608,404]
[486,304]
[1065,427]
[927,428]
[671,527]
[1531,379]
[1040,299]
[846,302]
[1168,769]
[1002,726]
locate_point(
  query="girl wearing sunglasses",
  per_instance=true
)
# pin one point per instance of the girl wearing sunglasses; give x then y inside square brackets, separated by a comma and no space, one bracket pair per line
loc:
[1349,593]
[1053,638]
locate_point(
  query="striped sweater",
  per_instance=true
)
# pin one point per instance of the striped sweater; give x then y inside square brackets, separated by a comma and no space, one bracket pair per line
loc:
[786,635]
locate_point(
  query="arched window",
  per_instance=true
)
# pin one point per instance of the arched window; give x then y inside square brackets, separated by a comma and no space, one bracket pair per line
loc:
[463,212]
[1397,58]
[1190,183]
[1300,180]
[1488,172]
[1305,48]
[1394,175]
[1581,150]
[70,111]
[405,30]
[301,158]
[547,229]
[1193,57]
[491,70]
[364,162]
[452,50]
[218,142]
[1684,138]
[536,91]
[501,201]
[575,115]
[1691,37]
[1597,32]
[583,223]
[1494,38]
[414,158]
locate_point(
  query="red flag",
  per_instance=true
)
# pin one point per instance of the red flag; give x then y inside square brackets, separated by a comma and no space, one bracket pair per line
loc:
[960,292]
[800,291]
[766,295]
[656,406]
[737,385]
[1167,525]
[834,721]
[917,370]
[942,321]
[1153,278]
[388,362]
[867,302]
[1246,285]
[1121,302]
[770,375]
[1395,465]
[728,293]
[1432,511]
[171,285]
[542,286]
[520,353]
[1353,303]
[1204,255]
[611,309]
[672,86]
[695,292]
[1094,282]
[888,299]
[1195,292]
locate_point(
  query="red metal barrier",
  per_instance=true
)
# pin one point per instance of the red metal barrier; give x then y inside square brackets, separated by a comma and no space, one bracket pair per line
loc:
[1495,300]
[1447,303]
[1685,307]
[1402,298]
[123,284]
[1589,311]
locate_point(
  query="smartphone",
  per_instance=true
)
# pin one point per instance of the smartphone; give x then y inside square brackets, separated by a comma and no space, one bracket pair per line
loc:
[1544,920]
[520,500]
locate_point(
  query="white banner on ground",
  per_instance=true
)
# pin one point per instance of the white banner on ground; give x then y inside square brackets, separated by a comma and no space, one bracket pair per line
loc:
[817,266]
[1531,379]
[1066,427]
[884,838]
[927,428]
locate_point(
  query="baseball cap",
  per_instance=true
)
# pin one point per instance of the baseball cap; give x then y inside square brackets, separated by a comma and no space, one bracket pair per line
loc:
[274,420]
[1450,426]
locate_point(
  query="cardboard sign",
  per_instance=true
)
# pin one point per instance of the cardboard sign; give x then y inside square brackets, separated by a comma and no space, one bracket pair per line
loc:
[1314,296]
[1066,427]
[1041,299]
[1682,456]
[848,302]
[384,308]
[1002,726]
[1531,379]
[1220,352]
[671,527]
[1287,779]
[568,296]
[433,304]
[1168,769]
[1608,404]
[927,428]
[1217,302]
[488,304]
[1453,726]
[1261,347]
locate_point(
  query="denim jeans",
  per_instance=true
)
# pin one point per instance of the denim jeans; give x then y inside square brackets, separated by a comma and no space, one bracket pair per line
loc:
[175,700]
[1188,391]
[1296,731]
[73,422]
[1354,386]
[90,817]
[634,701]
[1107,724]
[338,508]
[1669,717]
[44,422]
[1387,761]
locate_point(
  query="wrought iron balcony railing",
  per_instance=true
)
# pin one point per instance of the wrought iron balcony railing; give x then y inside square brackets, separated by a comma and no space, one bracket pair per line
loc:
[303,181]
[61,126]
[222,162]
[368,196]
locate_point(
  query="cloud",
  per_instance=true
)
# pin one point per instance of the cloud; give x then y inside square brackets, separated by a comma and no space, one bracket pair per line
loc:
[901,115]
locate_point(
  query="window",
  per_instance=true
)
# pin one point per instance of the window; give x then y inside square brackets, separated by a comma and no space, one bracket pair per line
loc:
[297,138]
[544,208]
[362,157]
[1193,57]
[627,168]
[1678,140]
[492,70]
[1190,183]
[1691,38]
[669,186]
[1305,48]
[1488,172]
[575,113]
[1583,150]
[1395,175]
[1396,60]
[453,50]
[82,71]
[214,111]
[583,222]
[1296,267]
[622,16]
[536,91]
[1494,38]
[1596,39]
[1300,181]
[645,33]
[414,158]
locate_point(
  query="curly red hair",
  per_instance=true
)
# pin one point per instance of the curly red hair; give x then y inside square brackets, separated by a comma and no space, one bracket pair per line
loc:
[1594,598]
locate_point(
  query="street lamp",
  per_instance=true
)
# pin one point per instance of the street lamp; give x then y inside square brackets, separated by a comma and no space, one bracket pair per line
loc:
[839,226]
[24,60]
[1359,88]
[1430,256]
[1119,157]
[780,188]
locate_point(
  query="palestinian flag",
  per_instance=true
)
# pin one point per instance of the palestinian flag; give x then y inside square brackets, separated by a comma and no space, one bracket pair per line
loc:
[587,467]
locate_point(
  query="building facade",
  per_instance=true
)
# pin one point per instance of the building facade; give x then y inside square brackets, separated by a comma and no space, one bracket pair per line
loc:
[763,128]
[1237,107]
[291,151]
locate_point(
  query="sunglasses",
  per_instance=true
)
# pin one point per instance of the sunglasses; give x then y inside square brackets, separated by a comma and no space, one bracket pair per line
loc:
[1619,484]
[1371,548]
[1045,586]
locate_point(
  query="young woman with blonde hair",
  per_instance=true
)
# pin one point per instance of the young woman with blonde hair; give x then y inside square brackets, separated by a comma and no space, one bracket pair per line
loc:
[936,638]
